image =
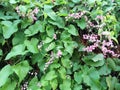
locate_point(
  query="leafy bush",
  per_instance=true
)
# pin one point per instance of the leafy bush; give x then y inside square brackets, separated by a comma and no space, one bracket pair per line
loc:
[59,45]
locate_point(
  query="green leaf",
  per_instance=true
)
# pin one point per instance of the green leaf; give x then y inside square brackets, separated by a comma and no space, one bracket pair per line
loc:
[98,57]
[9,85]
[12,1]
[66,62]
[76,1]
[50,75]
[18,38]
[33,29]
[88,60]
[26,1]
[21,69]
[9,28]
[50,31]
[66,85]
[91,78]
[111,63]
[34,84]
[16,50]
[62,72]
[111,81]
[117,86]
[54,66]
[54,84]
[72,30]
[77,87]
[104,70]
[69,46]
[76,66]
[2,40]
[48,40]
[4,74]
[91,1]
[51,46]
[82,23]
[65,35]
[78,77]
[23,8]
[32,45]
[48,10]
[1,52]
[58,22]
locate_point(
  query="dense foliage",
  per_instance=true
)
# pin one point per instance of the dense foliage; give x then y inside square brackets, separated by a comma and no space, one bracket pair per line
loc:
[59,44]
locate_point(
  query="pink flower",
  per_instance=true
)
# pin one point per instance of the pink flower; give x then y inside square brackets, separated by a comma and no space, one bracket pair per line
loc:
[36,10]
[18,10]
[100,17]
[55,36]
[91,38]
[75,15]
[85,36]
[90,48]
[59,53]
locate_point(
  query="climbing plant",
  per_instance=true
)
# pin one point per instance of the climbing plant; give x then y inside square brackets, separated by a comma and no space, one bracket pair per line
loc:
[59,45]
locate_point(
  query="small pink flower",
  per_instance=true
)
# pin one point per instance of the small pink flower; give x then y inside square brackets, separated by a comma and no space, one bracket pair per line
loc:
[100,17]
[59,53]
[91,24]
[91,38]
[36,10]
[55,36]
[76,15]
[18,10]
[85,36]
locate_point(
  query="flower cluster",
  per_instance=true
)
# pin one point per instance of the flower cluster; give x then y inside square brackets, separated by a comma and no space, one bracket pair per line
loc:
[104,46]
[92,37]
[55,36]
[33,73]
[91,24]
[100,17]
[49,62]
[24,86]
[52,57]
[19,12]
[31,14]
[59,54]
[75,15]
